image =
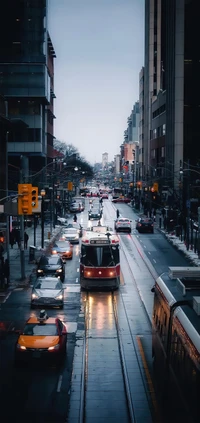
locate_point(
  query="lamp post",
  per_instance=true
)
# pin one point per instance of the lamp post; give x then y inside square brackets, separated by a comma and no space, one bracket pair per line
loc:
[43,193]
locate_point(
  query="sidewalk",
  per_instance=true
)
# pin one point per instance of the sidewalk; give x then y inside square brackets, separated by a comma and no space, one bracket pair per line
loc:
[15,263]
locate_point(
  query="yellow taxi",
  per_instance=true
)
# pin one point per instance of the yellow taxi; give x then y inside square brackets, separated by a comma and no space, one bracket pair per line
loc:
[42,337]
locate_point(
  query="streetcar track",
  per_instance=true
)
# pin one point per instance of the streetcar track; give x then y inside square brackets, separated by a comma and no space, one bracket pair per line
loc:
[122,359]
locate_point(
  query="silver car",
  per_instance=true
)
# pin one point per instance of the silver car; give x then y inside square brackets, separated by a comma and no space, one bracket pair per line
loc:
[47,291]
[72,235]
[123,224]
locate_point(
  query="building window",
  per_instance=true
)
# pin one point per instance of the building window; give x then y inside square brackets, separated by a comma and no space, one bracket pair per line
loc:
[154,133]
[164,129]
[162,151]
[153,154]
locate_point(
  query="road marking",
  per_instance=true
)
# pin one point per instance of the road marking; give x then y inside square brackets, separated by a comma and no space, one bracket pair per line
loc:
[59,383]
[77,269]
[7,297]
[145,246]
[154,260]
[149,379]
[149,253]
[76,280]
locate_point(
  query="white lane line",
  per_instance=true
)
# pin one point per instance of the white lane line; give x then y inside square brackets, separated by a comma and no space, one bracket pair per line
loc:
[154,260]
[59,383]
[78,269]
[145,246]
[149,253]
[76,280]
[7,297]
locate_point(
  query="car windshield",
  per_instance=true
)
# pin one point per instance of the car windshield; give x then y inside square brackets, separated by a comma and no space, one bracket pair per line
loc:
[62,244]
[40,329]
[48,284]
[49,261]
[123,220]
[70,230]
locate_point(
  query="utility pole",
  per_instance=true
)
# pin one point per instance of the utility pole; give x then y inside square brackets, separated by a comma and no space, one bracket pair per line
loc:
[188,208]
[23,177]
[7,193]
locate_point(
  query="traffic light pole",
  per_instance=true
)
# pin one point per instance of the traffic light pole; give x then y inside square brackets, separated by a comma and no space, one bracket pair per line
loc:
[22,255]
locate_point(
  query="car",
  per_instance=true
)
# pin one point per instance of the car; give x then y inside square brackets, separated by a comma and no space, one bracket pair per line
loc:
[94,214]
[123,224]
[48,291]
[71,235]
[121,200]
[51,266]
[75,208]
[145,224]
[104,196]
[75,225]
[43,337]
[63,248]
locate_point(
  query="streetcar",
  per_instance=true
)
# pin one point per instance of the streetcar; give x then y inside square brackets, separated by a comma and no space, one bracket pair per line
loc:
[176,337]
[99,259]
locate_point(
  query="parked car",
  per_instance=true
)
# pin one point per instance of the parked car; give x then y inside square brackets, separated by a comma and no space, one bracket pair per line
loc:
[48,291]
[121,200]
[71,235]
[51,266]
[123,224]
[63,248]
[42,337]
[145,224]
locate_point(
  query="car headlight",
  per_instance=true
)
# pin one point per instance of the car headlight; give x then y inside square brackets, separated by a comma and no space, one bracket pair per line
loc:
[53,348]
[59,270]
[59,297]
[40,271]
[21,347]
[54,252]
[34,296]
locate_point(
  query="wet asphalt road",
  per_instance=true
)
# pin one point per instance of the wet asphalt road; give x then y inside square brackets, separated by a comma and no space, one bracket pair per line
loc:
[38,393]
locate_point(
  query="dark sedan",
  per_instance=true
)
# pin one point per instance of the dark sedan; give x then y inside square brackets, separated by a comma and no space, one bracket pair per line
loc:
[145,225]
[47,291]
[95,214]
[51,266]
[121,200]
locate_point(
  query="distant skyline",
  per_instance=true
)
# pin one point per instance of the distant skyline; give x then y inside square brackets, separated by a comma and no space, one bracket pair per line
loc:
[99,46]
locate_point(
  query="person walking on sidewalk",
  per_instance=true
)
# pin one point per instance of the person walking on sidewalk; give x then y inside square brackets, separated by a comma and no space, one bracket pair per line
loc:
[6,271]
[1,250]
[2,278]
[117,213]
[26,238]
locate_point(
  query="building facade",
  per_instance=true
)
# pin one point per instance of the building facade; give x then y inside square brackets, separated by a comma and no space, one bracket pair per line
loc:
[27,81]
[104,160]
[171,95]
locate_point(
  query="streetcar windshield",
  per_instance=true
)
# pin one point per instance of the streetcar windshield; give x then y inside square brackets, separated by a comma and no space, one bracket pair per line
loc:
[100,256]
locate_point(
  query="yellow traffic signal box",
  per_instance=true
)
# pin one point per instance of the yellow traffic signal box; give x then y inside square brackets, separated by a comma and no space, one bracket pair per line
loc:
[70,186]
[24,199]
[34,197]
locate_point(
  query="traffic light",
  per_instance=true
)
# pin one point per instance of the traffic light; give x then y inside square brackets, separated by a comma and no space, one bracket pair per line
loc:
[70,186]
[34,197]
[24,199]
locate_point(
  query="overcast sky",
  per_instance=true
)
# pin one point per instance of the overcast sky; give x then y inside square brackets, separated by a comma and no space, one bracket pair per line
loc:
[99,46]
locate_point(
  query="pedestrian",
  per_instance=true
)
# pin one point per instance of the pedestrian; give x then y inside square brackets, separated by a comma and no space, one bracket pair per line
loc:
[154,215]
[2,281]
[1,250]
[12,239]
[26,238]
[117,213]
[6,271]
[18,238]
[75,218]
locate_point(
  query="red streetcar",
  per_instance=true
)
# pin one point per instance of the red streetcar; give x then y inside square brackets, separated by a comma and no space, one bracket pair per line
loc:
[100,259]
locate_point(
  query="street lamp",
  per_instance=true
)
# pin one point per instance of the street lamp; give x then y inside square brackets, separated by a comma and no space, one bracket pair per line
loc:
[43,193]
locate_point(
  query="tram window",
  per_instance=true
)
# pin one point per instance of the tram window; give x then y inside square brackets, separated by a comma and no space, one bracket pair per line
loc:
[99,256]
